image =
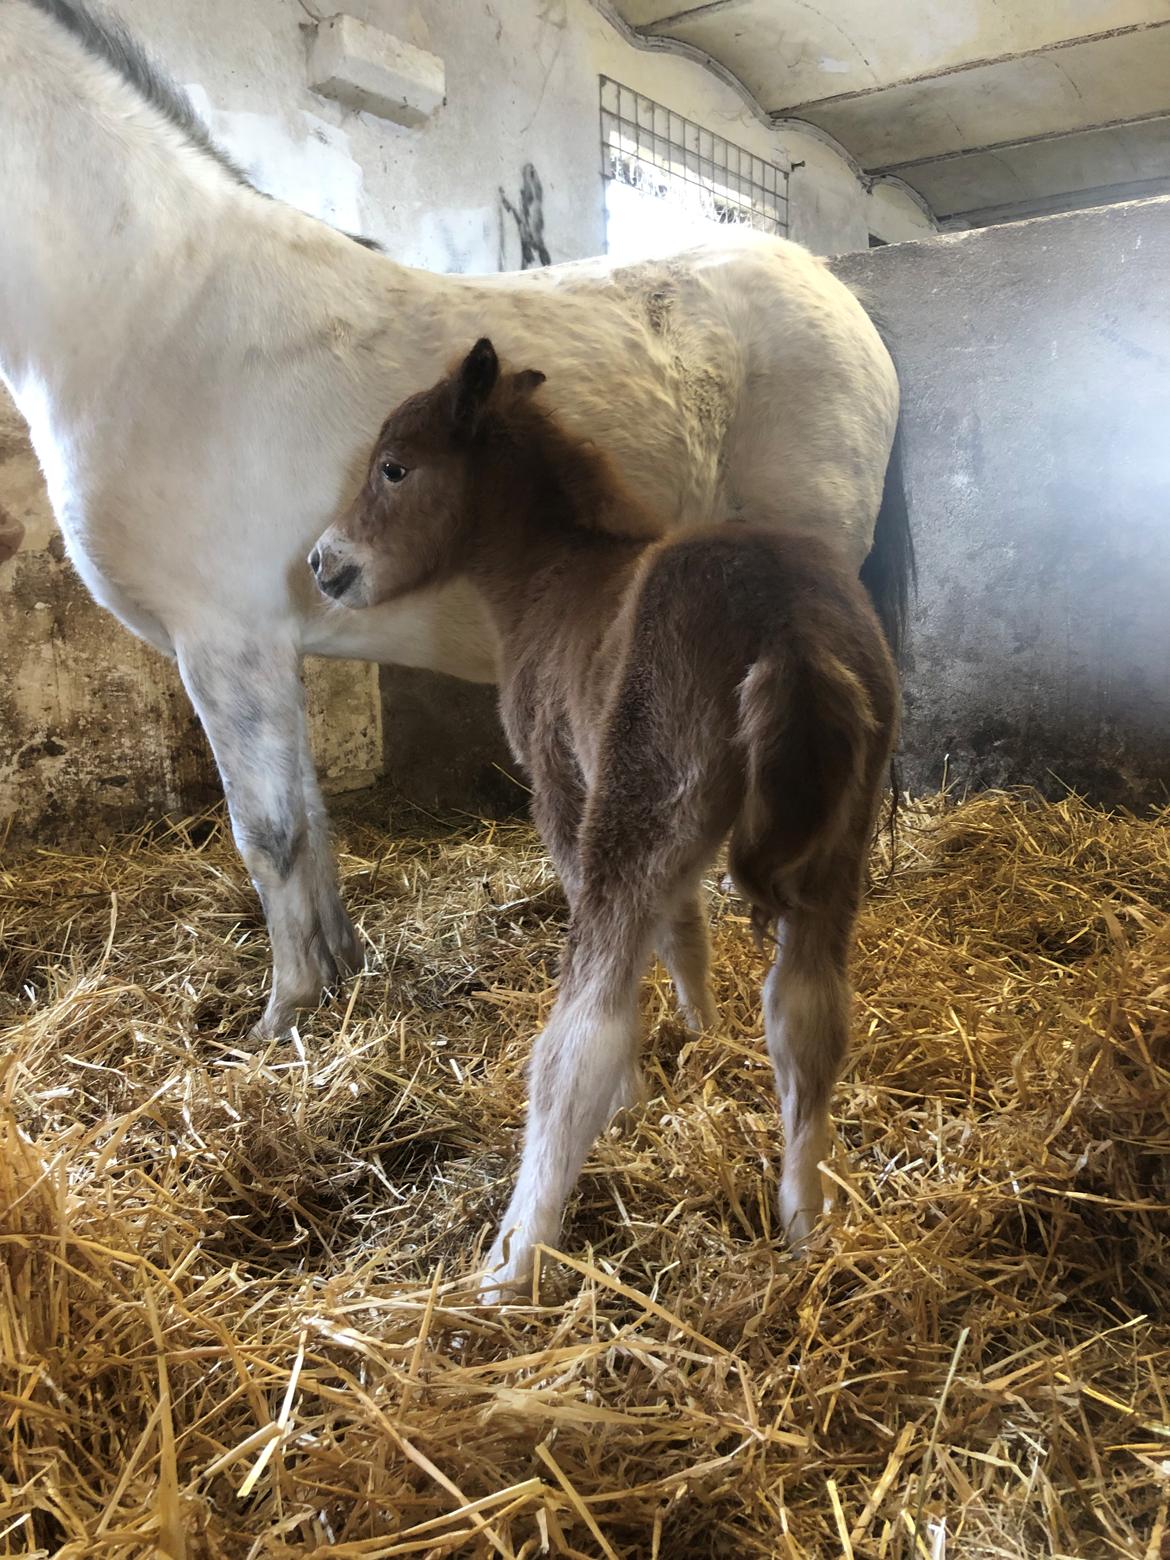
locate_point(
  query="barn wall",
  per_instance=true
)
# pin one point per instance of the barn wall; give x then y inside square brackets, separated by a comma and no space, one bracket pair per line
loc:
[1035,363]
[94,726]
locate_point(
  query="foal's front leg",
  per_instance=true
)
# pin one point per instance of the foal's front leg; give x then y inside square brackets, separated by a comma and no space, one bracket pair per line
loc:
[579,1066]
[248,695]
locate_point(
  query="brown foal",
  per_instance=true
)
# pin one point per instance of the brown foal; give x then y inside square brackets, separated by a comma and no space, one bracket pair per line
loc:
[663,693]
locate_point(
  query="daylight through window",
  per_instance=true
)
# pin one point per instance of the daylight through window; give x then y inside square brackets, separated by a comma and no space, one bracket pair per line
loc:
[670,182]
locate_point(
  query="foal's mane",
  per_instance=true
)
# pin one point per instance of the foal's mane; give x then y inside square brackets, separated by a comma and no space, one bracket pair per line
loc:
[596,497]
[106,37]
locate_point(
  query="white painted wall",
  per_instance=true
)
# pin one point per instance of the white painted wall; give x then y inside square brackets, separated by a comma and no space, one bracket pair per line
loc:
[521,86]
[92,724]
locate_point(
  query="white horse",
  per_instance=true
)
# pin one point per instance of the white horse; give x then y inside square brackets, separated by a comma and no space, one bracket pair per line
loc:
[203,369]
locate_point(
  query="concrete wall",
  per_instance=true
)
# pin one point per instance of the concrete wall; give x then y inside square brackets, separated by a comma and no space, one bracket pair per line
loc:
[94,726]
[1035,362]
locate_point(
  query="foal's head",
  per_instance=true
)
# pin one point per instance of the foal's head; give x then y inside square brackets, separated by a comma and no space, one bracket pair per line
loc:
[426,482]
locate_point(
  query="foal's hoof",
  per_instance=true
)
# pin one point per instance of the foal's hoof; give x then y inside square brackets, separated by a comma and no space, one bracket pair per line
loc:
[699,1017]
[507,1275]
[629,1094]
[798,1223]
[493,1291]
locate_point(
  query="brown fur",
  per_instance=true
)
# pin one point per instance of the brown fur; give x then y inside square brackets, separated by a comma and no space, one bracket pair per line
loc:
[663,692]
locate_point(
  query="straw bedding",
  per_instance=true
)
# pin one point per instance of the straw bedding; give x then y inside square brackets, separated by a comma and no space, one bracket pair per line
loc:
[234,1308]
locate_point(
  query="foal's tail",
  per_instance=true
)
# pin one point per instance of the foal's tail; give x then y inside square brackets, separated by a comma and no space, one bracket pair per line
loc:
[806,723]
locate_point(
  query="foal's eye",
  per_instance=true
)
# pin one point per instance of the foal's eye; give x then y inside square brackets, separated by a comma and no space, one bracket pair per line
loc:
[392,471]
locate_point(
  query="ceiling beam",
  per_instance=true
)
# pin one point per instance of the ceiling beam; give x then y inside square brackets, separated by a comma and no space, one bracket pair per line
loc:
[1023,140]
[688,14]
[965,65]
[637,39]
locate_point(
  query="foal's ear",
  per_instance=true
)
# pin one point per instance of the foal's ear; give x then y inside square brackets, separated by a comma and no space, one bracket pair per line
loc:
[474,382]
[528,380]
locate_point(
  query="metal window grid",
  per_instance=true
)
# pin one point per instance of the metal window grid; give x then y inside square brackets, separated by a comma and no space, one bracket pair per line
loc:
[651,147]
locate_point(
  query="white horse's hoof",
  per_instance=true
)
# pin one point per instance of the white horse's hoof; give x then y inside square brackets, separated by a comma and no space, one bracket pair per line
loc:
[281,1014]
[267,1029]
[342,952]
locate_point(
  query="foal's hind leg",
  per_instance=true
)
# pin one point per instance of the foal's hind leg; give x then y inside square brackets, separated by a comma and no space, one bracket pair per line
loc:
[641,846]
[685,949]
[558,802]
[807,998]
[248,695]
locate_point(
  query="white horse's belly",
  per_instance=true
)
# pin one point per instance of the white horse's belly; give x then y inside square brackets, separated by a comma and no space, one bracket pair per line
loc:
[114,597]
[445,630]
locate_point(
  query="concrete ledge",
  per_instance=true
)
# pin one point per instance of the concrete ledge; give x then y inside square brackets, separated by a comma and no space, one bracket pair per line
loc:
[1035,365]
[368,69]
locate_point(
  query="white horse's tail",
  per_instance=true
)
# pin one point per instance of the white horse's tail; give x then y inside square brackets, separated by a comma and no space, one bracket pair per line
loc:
[889,573]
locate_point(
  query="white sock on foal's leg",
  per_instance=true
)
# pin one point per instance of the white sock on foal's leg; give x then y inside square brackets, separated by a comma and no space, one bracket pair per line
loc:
[578,1065]
[806,1020]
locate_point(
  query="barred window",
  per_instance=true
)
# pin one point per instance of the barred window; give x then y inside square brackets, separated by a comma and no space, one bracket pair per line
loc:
[696,179]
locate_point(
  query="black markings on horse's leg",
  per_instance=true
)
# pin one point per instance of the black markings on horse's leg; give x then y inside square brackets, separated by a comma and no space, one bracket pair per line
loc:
[248,693]
[280,839]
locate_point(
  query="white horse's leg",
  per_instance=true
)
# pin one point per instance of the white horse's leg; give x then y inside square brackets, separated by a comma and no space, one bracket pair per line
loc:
[336,929]
[248,695]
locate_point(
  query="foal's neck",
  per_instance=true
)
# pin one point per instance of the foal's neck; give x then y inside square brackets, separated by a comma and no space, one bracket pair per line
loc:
[558,543]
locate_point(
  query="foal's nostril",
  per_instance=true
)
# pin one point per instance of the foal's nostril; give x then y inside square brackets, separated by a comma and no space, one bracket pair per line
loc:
[315,560]
[337,584]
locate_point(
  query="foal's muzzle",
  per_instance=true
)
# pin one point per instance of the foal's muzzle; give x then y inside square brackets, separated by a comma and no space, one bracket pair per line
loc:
[333,579]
